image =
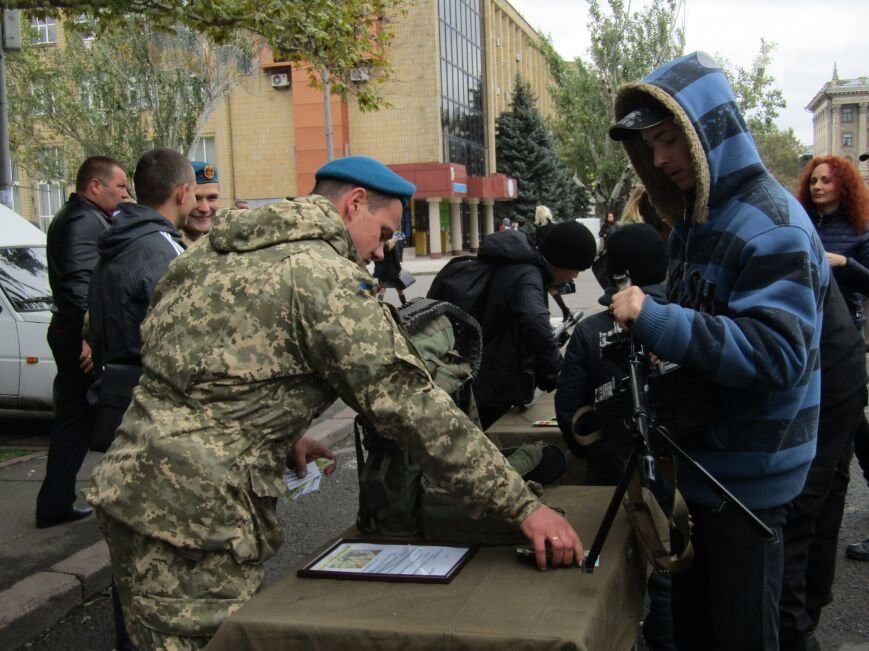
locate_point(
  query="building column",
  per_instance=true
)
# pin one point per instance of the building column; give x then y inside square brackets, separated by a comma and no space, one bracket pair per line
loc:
[862,141]
[837,130]
[488,216]
[474,205]
[434,227]
[830,130]
[456,225]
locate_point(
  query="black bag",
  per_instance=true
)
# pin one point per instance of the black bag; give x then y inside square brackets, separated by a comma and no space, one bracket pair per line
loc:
[464,282]
[112,394]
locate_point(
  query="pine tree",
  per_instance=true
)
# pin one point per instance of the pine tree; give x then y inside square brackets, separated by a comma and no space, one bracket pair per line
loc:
[526,151]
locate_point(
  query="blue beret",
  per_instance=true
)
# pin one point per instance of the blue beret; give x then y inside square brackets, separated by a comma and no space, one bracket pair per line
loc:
[205,172]
[368,173]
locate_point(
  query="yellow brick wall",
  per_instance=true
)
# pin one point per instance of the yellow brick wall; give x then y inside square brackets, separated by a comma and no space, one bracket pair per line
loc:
[409,131]
[253,132]
[510,48]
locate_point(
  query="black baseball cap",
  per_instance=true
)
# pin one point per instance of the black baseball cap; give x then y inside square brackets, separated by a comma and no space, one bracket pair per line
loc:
[864,156]
[637,120]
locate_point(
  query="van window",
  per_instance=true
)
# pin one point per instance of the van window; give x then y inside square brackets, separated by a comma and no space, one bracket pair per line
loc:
[24,278]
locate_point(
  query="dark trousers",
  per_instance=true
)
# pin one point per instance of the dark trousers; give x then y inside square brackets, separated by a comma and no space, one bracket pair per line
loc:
[73,425]
[861,447]
[728,598]
[811,531]
[490,413]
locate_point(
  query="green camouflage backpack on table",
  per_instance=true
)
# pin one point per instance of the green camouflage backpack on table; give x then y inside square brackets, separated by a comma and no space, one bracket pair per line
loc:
[395,498]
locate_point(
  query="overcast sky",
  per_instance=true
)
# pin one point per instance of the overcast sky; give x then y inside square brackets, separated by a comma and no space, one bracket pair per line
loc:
[811,36]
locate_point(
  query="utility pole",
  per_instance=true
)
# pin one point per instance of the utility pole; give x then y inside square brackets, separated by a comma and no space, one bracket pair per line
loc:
[11,41]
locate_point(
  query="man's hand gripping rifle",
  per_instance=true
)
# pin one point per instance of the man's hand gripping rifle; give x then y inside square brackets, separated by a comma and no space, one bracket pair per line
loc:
[649,440]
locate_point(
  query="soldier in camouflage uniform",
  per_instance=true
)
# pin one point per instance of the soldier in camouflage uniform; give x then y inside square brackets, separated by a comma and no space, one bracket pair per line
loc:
[248,340]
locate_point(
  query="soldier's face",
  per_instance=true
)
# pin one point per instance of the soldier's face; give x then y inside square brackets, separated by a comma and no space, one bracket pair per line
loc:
[201,218]
[371,229]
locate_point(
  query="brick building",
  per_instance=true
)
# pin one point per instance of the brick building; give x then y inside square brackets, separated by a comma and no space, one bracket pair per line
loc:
[455,63]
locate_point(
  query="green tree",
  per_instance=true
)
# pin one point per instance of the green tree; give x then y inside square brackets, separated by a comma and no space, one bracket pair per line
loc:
[780,150]
[322,35]
[761,102]
[119,92]
[625,46]
[525,150]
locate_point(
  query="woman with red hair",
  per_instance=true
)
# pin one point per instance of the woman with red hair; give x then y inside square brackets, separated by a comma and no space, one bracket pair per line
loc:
[835,196]
[837,201]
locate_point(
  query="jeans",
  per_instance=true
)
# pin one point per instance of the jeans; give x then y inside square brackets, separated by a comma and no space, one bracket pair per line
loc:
[728,598]
[811,531]
[72,428]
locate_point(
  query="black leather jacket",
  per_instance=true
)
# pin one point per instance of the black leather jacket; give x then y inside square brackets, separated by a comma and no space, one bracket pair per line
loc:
[72,255]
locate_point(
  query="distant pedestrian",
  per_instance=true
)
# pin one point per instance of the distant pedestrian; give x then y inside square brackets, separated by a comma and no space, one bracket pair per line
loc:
[388,271]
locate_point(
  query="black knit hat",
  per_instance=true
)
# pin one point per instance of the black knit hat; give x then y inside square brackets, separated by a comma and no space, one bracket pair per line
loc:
[568,245]
[638,250]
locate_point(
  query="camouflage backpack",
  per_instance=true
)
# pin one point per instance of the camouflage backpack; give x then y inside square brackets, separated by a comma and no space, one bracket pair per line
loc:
[395,499]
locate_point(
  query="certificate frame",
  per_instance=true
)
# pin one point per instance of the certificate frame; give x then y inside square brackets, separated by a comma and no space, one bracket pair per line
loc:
[459,556]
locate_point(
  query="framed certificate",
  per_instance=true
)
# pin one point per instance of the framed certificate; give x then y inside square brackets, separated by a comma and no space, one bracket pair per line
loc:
[371,560]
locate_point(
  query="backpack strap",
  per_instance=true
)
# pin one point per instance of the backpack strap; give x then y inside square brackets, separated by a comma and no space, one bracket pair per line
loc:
[646,514]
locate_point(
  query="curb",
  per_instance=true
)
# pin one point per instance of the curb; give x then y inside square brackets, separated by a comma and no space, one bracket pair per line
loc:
[40,600]
[22,459]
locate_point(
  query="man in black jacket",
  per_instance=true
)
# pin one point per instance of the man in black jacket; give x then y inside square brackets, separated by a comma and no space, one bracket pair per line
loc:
[101,185]
[134,253]
[515,322]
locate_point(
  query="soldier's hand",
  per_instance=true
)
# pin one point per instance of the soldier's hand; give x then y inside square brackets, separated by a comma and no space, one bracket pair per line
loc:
[306,450]
[545,526]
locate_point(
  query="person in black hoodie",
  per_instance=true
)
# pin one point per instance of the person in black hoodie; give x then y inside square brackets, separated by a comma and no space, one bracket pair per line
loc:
[515,321]
[133,254]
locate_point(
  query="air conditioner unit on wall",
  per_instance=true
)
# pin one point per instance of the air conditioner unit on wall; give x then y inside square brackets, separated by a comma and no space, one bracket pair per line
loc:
[359,74]
[280,80]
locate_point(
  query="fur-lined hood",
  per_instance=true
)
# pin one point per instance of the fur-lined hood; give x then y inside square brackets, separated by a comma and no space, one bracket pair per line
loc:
[694,89]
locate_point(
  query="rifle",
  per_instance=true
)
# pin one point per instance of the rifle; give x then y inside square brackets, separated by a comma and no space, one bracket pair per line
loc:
[562,332]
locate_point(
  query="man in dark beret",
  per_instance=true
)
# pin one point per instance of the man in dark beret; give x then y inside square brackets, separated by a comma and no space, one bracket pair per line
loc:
[252,334]
[201,218]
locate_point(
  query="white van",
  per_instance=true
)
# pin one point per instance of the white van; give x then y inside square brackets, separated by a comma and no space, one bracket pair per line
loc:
[27,367]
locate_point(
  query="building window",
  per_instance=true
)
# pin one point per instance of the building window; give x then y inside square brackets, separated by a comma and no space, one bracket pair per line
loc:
[847,114]
[51,195]
[847,139]
[461,57]
[15,190]
[46,30]
[206,151]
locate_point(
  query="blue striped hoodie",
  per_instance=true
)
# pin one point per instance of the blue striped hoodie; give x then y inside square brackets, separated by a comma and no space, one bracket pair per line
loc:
[747,279]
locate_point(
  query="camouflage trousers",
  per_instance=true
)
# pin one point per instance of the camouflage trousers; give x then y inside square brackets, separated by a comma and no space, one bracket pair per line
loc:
[174,599]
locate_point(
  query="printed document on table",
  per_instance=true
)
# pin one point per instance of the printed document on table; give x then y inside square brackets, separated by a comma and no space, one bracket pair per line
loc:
[382,558]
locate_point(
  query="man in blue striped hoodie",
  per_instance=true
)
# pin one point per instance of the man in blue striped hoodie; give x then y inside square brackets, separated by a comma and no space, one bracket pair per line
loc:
[746,282]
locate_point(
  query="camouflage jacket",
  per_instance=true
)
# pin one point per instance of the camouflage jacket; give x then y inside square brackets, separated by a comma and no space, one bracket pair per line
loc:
[247,341]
